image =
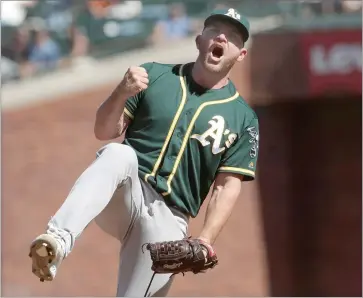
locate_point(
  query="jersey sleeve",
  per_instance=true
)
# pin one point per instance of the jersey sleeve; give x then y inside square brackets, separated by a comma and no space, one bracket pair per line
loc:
[241,158]
[133,102]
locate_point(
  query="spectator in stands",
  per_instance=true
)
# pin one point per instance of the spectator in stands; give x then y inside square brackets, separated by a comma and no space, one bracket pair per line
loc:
[79,43]
[19,47]
[88,18]
[13,13]
[57,15]
[126,10]
[90,27]
[176,26]
[15,54]
[44,54]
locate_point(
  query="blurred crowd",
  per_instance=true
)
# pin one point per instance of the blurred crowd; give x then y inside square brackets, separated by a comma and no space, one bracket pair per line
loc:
[40,36]
[332,7]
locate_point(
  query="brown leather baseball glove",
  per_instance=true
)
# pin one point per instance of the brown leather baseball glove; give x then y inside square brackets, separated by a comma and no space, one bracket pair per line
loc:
[181,256]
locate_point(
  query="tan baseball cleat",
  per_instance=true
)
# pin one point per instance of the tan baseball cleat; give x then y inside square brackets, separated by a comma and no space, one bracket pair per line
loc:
[47,254]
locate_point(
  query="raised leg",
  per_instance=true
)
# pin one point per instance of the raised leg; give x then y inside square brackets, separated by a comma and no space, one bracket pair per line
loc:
[115,168]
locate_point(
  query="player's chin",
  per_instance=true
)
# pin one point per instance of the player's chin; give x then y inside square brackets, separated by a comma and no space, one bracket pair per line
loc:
[212,67]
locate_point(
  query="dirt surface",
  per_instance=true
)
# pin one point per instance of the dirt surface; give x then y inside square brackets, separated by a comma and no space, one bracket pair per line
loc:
[45,148]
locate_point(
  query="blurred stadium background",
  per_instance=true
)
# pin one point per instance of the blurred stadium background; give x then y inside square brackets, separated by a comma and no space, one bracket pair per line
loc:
[296,230]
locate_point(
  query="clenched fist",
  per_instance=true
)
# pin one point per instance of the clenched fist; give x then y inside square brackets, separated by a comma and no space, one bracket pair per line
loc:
[134,81]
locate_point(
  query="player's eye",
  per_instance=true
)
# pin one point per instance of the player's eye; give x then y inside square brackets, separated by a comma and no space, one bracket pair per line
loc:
[213,30]
[234,38]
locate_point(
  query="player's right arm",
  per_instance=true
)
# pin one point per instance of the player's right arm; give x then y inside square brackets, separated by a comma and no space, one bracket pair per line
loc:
[111,121]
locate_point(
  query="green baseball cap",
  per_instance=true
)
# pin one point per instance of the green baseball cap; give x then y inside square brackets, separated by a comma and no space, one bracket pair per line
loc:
[233,16]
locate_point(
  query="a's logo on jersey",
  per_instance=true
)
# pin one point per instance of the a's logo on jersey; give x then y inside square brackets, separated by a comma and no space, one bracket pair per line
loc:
[215,134]
[254,140]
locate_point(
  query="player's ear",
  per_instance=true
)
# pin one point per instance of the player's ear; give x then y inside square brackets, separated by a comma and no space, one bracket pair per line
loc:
[242,54]
[197,41]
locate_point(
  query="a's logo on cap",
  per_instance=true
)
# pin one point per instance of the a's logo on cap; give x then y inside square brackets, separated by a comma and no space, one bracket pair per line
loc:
[233,14]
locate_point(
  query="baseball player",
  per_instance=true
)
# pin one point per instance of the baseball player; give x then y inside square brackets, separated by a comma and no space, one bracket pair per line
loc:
[186,129]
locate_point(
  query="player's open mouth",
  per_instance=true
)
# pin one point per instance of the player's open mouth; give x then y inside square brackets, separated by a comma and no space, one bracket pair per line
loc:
[217,51]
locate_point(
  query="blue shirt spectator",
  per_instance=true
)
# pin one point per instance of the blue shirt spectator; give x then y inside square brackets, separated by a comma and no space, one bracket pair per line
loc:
[176,26]
[45,53]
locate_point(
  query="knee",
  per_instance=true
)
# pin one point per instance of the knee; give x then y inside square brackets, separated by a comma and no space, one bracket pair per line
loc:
[118,152]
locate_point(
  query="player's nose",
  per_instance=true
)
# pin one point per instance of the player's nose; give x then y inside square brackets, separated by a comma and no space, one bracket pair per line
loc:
[221,38]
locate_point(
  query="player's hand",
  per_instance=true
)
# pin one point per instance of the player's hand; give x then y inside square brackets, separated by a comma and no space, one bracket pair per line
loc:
[181,256]
[134,81]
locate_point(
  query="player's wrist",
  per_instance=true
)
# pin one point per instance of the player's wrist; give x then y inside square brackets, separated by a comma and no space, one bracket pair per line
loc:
[122,92]
[206,240]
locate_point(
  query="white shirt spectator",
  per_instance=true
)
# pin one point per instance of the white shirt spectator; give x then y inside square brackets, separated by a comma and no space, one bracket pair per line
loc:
[126,10]
[12,13]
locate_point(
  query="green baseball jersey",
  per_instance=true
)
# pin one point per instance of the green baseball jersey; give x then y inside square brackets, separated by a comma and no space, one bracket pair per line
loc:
[184,135]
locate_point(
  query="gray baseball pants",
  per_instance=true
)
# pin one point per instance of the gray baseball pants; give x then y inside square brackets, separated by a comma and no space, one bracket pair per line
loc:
[111,192]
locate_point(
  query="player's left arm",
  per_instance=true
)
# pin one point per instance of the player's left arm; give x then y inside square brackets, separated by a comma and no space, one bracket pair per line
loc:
[238,165]
[225,193]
